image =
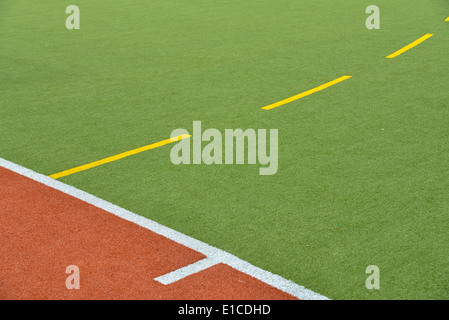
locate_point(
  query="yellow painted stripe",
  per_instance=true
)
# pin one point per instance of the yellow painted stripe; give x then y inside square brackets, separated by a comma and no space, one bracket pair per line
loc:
[447,19]
[306,93]
[117,157]
[411,45]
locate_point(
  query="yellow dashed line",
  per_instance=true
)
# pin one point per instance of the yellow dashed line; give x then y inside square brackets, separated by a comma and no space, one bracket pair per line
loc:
[411,45]
[117,157]
[306,93]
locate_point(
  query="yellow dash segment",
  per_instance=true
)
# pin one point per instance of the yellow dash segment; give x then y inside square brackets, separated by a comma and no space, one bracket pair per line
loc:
[306,93]
[411,45]
[117,157]
[447,19]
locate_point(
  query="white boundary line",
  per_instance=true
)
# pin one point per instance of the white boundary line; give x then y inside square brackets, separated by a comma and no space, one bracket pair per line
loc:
[193,268]
[216,255]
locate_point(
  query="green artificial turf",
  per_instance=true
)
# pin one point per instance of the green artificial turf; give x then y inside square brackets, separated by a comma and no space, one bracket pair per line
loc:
[363,166]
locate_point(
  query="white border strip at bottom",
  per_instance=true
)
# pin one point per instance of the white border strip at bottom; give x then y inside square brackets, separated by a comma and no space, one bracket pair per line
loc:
[213,254]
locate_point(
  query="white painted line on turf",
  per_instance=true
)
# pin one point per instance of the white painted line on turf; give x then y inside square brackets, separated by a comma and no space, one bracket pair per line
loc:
[182,273]
[217,255]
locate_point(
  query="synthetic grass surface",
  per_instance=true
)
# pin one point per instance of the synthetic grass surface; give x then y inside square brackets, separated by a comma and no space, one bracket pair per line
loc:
[363,173]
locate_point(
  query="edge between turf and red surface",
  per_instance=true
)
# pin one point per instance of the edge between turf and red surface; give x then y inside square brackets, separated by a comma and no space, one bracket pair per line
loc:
[47,226]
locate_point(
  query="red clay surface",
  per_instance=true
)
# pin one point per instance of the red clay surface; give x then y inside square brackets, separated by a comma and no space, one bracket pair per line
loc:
[43,231]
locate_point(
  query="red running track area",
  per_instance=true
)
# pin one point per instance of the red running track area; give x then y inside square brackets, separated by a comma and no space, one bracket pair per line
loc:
[43,231]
